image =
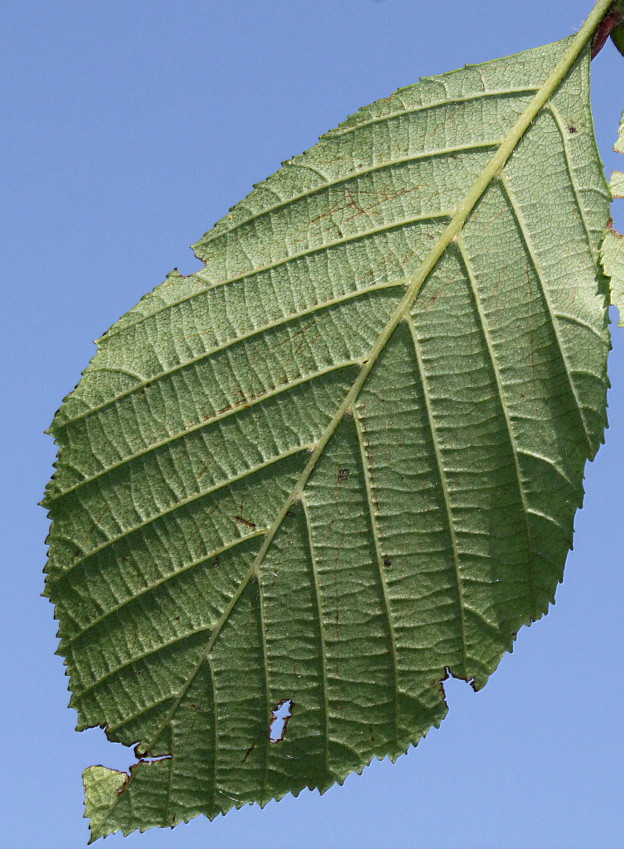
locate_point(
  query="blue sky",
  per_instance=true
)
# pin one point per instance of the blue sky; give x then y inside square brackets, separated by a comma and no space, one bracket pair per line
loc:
[129,129]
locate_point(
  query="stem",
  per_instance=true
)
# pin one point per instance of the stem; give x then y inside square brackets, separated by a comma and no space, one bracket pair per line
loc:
[607,25]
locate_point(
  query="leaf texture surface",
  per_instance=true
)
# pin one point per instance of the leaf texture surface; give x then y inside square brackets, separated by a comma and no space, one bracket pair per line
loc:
[342,460]
[613,244]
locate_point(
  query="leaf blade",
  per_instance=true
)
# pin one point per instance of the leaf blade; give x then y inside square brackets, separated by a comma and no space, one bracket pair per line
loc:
[310,484]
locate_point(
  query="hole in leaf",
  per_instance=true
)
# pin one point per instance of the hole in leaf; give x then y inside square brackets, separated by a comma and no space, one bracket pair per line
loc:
[116,755]
[147,760]
[281,713]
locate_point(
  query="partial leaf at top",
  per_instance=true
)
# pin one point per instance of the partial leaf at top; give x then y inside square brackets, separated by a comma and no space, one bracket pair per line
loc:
[342,460]
[617,177]
[613,245]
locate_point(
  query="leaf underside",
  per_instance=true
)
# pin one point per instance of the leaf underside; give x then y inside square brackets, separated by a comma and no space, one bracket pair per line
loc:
[613,244]
[342,460]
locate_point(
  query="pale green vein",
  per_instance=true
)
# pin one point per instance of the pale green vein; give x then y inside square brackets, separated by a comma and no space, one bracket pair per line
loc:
[500,388]
[321,631]
[215,733]
[115,726]
[299,449]
[131,662]
[266,742]
[279,263]
[305,166]
[446,497]
[565,143]
[249,275]
[551,519]
[120,370]
[573,319]
[509,92]
[235,409]
[387,609]
[356,175]
[180,570]
[544,459]
[547,300]
[282,321]
[167,817]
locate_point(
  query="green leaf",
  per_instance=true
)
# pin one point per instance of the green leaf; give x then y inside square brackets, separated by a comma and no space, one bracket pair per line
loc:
[617,37]
[612,251]
[618,147]
[613,264]
[342,461]
[616,183]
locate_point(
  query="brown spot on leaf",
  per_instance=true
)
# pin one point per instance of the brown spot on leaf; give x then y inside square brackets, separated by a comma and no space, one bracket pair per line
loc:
[246,522]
